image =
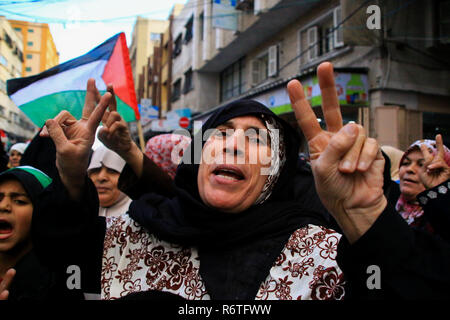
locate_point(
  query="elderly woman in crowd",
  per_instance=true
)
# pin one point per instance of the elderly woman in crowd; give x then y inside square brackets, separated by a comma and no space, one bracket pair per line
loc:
[231,230]
[415,185]
[104,171]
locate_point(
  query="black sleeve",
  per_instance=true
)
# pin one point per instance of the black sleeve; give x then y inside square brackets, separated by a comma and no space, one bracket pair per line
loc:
[413,264]
[153,179]
[70,233]
[436,206]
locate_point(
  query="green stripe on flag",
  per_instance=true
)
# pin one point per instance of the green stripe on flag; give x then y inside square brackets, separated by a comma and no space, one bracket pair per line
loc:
[47,107]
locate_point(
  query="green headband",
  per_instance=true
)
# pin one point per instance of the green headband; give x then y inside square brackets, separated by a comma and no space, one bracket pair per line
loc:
[43,179]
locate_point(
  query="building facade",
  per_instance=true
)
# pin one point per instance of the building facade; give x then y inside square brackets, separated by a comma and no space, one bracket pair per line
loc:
[40,51]
[12,120]
[146,36]
[391,68]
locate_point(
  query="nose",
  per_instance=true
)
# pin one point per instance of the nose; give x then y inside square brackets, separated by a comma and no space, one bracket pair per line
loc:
[5,203]
[235,143]
[102,175]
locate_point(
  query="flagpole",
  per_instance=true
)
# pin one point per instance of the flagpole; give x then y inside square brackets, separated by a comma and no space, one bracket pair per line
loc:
[141,136]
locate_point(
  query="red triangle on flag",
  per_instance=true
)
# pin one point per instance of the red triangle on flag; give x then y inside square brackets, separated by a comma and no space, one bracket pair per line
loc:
[118,73]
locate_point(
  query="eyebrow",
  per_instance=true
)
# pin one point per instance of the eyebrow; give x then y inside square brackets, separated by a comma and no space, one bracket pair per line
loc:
[230,124]
[14,194]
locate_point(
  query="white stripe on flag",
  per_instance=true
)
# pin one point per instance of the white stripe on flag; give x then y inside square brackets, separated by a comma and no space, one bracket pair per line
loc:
[73,79]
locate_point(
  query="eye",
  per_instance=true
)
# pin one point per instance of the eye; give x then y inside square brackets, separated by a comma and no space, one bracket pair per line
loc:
[21,202]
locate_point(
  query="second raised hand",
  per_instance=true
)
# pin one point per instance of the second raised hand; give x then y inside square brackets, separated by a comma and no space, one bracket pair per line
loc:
[347,166]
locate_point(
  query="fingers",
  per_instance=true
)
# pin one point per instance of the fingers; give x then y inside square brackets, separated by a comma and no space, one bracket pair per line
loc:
[305,116]
[330,102]
[370,152]
[64,118]
[350,160]
[426,155]
[113,117]
[56,133]
[97,114]
[440,147]
[338,146]
[92,98]
[6,282]
[113,102]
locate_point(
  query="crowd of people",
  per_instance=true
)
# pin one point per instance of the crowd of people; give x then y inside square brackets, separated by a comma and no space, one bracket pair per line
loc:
[238,215]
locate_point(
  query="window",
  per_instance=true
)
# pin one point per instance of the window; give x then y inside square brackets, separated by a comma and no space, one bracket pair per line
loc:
[177,46]
[2,111]
[28,69]
[155,36]
[231,81]
[188,84]
[265,66]
[29,56]
[324,36]
[176,92]
[18,29]
[30,43]
[30,30]
[188,26]
[8,40]
[3,61]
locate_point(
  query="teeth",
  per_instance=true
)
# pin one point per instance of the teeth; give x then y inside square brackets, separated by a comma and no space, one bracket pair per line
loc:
[227,177]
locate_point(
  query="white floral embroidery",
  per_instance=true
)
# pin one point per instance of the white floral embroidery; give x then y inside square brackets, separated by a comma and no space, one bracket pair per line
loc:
[423,200]
[305,269]
[432,195]
[442,189]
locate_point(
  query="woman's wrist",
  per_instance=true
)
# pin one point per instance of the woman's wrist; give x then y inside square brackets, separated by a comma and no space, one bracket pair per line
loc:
[356,222]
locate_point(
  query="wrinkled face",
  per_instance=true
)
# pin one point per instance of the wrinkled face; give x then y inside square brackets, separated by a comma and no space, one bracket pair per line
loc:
[14,158]
[410,167]
[230,175]
[16,212]
[106,180]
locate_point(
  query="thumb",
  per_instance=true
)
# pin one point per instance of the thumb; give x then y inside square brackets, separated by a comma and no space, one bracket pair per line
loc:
[56,133]
[339,144]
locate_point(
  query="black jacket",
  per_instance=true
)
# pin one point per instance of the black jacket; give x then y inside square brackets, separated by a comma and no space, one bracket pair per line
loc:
[413,263]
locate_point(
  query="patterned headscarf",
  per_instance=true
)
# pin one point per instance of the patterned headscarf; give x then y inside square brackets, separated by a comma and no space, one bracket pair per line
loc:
[411,211]
[278,156]
[166,150]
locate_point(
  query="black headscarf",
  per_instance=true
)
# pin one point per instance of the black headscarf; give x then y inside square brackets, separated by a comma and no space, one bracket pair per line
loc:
[236,250]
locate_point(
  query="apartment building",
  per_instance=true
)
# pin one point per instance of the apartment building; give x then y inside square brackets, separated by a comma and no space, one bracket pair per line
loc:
[39,49]
[393,79]
[146,36]
[12,120]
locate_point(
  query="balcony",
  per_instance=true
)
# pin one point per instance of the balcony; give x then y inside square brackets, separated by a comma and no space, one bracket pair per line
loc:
[269,23]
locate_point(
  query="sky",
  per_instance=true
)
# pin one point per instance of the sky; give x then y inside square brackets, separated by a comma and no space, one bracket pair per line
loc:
[77,26]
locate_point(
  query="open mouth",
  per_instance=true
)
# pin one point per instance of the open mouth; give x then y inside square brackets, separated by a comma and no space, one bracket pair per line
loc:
[6,229]
[229,173]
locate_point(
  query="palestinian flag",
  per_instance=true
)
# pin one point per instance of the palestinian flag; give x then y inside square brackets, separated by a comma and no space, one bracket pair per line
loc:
[63,87]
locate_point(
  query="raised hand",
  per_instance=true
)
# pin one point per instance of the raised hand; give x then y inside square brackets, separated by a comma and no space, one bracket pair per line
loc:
[115,134]
[74,138]
[6,282]
[347,166]
[436,170]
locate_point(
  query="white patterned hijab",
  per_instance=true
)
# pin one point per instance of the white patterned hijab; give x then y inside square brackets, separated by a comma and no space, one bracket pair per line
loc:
[278,156]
